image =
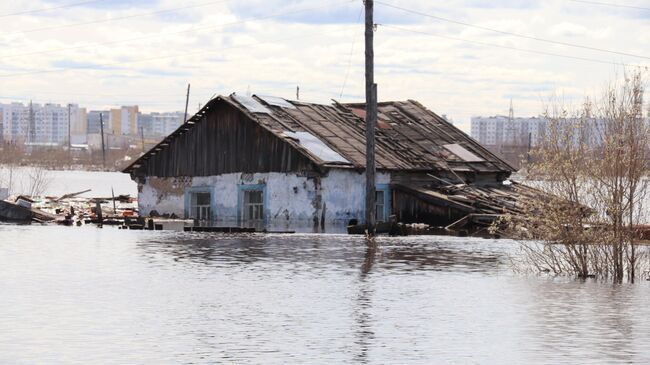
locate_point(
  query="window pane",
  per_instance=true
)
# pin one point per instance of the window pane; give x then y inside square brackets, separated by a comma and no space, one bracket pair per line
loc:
[255,197]
[203,198]
[380,206]
[253,205]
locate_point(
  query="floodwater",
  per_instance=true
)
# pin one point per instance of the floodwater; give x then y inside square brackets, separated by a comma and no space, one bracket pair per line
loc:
[61,182]
[106,296]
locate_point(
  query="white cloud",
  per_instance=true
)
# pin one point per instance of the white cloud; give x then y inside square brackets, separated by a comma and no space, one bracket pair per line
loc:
[311,48]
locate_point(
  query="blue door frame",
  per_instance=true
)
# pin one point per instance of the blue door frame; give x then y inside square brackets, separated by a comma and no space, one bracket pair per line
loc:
[201,189]
[240,199]
[387,198]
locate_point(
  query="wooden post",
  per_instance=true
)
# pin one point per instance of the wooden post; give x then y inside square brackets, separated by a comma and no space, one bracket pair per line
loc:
[114,207]
[142,137]
[98,213]
[371,118]
[187,101]
[530,144]
[32,125]
[69,131]
[101,128]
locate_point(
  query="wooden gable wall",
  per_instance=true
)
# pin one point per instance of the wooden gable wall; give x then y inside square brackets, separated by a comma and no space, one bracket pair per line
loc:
[224,140]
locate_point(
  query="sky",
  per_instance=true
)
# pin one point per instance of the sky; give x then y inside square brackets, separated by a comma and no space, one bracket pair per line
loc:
[461,58]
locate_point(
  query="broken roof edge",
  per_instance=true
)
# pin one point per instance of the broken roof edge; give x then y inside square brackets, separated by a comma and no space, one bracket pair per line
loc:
[485,150]
[258,119]
[183,127]
[315,159]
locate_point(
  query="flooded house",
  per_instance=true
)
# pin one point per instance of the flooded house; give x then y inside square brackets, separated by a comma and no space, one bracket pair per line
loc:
[269,162]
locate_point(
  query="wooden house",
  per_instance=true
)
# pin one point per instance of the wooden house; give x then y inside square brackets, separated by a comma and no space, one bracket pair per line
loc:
[270,162]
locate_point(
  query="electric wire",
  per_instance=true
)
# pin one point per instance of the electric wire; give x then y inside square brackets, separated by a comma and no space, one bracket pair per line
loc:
[354,41]
[610,4]
[192,30]
[102,66]
[513,48]
[97,21]
[510,33]
[50,8]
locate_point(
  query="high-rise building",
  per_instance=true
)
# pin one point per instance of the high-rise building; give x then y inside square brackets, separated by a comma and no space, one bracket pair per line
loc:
[124,121]
[160,124]
[507,131]
[40,124]
[93,121]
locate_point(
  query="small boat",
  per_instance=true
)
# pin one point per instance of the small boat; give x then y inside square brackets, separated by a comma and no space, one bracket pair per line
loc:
[19,213]
[14,213]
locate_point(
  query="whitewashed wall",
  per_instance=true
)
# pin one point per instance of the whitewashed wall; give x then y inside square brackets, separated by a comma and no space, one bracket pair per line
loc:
[291,199]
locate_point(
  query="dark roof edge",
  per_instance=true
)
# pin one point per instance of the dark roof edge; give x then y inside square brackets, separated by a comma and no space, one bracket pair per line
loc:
[175,133]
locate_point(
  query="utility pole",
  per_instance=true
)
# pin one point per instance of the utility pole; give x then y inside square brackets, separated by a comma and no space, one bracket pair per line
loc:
[298,92]
[371,118]
[69,132]
[32,124]
[530,145]
[187,101]
[101,128]
[142,137]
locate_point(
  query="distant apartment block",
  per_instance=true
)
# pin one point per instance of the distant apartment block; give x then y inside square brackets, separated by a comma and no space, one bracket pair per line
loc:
[47,124]
[506,131]
[507,136]
[124,121]
[160,124]
[93,126]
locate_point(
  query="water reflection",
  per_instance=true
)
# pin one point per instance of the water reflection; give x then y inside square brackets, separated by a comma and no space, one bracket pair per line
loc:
[317,250]
[590,319]
[110,296]
[363,303]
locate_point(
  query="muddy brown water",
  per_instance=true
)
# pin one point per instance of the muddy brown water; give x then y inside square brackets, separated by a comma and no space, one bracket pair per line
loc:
[90,296]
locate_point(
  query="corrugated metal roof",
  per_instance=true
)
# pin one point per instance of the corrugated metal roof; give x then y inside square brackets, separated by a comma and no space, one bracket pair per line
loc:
[251,104]
[412,138]
[316,147]
[461,152]
[276,101]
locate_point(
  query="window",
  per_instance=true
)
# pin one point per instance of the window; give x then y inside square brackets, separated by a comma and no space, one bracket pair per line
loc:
[200,206]
[380,206]
[382,203]
[253,205]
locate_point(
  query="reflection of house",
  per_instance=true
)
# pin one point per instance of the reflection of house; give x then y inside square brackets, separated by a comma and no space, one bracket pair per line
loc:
[289,164]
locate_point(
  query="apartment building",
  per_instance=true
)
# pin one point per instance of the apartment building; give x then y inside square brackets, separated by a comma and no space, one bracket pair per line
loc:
[160,124]
[41,124]
[507,131]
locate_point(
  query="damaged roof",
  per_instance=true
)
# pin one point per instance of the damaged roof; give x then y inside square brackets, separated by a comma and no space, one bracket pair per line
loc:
[409,137]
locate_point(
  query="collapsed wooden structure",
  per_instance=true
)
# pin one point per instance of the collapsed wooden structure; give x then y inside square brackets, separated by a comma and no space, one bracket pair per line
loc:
[305,162]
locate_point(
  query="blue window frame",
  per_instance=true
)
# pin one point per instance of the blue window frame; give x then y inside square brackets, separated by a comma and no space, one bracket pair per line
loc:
[382,202]
[200,203]
[252,203]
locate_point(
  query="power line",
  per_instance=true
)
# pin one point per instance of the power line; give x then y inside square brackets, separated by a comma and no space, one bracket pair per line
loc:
[510,33]
[117,18]
[276,15]
[610,4]
[99,66]
[50,9]
[512,48]
[354,41]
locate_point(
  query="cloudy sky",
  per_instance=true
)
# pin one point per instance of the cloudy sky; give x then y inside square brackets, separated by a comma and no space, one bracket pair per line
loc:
[458,57]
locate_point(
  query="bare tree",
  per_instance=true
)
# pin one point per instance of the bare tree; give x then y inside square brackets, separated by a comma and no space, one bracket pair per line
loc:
[7,177]
[35,181]
[593,164]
